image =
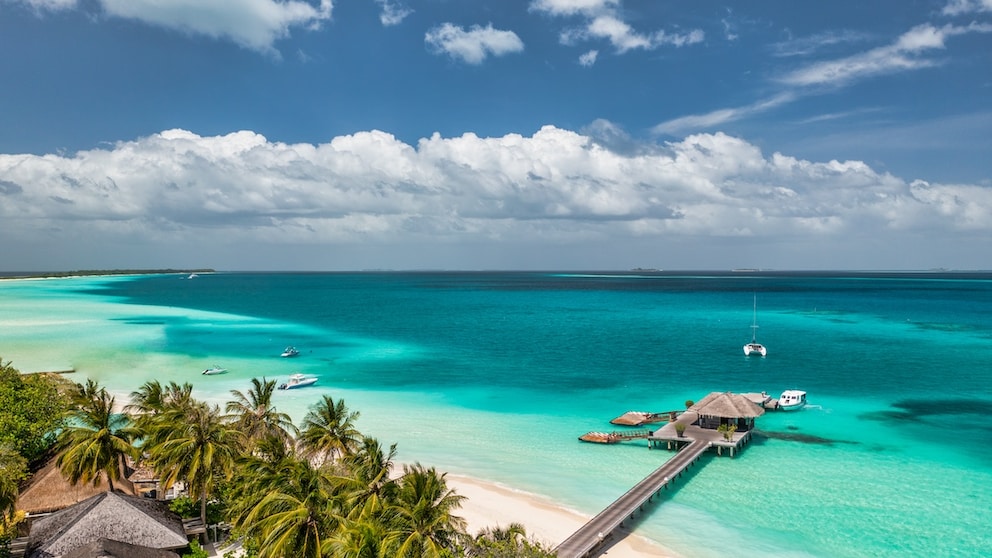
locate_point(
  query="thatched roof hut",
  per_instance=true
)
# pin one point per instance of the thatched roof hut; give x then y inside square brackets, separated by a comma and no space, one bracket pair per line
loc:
[727,405]
[127,519]
[106,548]
[49,491]
[727,408]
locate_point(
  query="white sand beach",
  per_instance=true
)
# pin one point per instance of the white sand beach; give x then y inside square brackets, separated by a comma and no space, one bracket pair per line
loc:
[490,504]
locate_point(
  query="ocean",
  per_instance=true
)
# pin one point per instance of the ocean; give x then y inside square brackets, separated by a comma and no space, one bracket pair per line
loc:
[496,374]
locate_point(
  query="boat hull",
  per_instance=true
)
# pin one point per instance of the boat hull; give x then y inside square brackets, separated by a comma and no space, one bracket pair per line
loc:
[755,349]
[792,400]
[298,382]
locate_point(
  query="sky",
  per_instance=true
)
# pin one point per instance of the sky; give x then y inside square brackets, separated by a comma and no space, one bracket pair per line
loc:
[495,134]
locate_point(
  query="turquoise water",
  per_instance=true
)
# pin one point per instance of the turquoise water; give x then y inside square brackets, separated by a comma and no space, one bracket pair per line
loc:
[496,374]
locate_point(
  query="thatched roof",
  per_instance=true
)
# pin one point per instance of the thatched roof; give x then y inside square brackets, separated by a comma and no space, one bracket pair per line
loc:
[128,519]
[106,548]
[727,405]
[49,491]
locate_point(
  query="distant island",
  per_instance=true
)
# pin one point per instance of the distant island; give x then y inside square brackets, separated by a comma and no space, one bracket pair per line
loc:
[92,272]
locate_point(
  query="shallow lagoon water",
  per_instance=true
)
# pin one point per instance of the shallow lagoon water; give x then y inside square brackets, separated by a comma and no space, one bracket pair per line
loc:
[495,375]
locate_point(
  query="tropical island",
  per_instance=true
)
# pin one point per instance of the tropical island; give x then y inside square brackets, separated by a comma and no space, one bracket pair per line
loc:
[319,489]
[98,272]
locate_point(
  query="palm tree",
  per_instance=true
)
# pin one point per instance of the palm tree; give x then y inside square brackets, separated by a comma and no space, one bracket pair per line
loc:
[363,536]
[290,505]
[329,429]
[425,525]
[152,398]
[505,542]
[96,439]
[254,414]
[194,445]
[368,473]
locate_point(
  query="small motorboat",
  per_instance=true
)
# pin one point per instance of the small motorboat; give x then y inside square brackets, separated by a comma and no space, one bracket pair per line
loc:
[215,370]
[290,352]
[298,381]
[792,400]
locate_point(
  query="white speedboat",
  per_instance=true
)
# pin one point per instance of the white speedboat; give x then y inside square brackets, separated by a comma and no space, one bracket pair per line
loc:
[298,381]
[755,348]
[792,400]
[290,352]
[215,370]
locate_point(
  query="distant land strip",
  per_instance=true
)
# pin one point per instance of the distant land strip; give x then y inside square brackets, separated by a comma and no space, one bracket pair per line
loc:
[92,272]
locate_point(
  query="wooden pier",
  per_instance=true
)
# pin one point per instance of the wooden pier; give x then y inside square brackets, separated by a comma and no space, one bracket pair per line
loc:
[720,421]
[593,533]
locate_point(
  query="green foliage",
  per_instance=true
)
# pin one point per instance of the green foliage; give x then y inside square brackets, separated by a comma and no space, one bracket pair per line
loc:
[195,551]
[96,439]
[727,430]
[249,546]
[689,403]
[13,469]
[31,411]
[185,506]
[508,542]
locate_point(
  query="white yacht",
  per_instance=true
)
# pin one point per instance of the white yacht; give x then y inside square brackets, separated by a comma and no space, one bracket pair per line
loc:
[290,352]
[754,348]
[298,381]
[215,370]
[792,400]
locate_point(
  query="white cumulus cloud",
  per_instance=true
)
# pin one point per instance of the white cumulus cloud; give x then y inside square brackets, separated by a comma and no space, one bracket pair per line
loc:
[253,24]
[559,186]
[472,45]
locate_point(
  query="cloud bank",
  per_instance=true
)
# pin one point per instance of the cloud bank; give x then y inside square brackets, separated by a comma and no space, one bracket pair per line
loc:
[253,24]
[556,187]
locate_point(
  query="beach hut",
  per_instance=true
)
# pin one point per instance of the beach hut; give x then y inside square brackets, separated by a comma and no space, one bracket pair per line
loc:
[131,520]
[725,408]
[48,491]
[106,548]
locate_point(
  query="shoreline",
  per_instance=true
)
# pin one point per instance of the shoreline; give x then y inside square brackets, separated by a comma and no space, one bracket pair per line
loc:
[489,504]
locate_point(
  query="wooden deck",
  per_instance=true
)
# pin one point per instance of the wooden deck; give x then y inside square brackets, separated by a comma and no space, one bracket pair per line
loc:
[593,533]
[615,436]
[693,442]
[640,418]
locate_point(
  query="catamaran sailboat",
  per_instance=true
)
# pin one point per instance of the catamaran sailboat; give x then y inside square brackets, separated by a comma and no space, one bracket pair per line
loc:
[754,348]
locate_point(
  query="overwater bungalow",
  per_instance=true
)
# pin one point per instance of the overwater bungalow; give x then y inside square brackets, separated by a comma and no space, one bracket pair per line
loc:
[726,408]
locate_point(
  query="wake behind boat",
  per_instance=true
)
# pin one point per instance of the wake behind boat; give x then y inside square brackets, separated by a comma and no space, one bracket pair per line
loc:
[215,370]
[754,348]
[298,381]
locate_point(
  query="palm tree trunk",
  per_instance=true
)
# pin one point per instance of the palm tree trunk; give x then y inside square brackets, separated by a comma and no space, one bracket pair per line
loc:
[203,508]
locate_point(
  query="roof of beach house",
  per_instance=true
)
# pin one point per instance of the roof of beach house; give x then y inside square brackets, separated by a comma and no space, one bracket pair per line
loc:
[727,405]
[106,548]
[118,517]
[49,491]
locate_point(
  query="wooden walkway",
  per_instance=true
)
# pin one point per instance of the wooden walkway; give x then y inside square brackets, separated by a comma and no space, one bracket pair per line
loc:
[593,533]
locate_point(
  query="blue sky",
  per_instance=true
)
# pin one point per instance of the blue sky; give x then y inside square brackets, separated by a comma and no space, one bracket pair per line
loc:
[511,134]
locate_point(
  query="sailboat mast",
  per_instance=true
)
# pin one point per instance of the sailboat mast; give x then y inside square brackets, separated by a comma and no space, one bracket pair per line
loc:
[754,321]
